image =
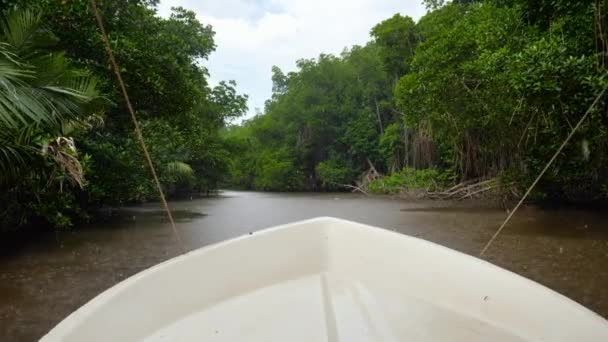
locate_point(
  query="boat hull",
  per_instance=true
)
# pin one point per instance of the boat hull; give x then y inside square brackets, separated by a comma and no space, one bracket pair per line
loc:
[328,279]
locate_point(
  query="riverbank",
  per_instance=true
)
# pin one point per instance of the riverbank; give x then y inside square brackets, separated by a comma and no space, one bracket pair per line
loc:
[47,278]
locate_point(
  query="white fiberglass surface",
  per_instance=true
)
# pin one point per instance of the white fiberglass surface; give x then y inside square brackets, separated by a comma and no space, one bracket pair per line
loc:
[329,280]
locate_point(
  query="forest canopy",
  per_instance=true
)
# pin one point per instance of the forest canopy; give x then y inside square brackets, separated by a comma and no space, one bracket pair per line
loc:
[90,156]
[473,90]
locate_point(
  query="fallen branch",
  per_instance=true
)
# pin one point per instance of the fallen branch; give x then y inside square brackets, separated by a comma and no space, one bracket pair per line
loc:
[470,195]
[355,188]
[470,189]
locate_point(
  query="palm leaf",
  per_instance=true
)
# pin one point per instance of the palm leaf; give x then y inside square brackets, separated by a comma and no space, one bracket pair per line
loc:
[16,152]
[37,86]
[22,30]
[39,92]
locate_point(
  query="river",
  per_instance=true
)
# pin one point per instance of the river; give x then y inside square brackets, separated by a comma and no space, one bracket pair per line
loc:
[46,277]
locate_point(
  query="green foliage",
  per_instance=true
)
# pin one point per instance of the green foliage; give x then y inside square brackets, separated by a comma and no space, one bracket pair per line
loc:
[397,38]
[409,180]
[180,114]
[257,164]
[455,76]
[38,90]
[225,100]
[478,89]
[178,172]
[391,145]
[334,173]
[43,98]
[501,95]
[43,101]
[321,125]
[274,171]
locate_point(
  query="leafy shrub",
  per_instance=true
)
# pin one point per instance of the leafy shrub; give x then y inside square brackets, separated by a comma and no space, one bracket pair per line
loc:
[333,173]
[410,179]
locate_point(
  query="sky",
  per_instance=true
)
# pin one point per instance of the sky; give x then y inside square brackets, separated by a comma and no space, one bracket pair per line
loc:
[253,35]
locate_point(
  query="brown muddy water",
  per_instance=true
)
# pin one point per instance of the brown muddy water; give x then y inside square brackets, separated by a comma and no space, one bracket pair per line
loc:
[46,278]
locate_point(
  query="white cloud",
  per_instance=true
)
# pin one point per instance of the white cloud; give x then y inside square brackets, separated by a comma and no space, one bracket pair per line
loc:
[253,35]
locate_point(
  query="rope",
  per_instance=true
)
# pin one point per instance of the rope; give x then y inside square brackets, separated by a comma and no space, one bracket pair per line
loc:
[140,137]
[559,150]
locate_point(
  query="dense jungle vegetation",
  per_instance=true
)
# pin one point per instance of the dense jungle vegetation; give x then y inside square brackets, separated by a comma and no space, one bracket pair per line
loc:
[474,90]
[66,139]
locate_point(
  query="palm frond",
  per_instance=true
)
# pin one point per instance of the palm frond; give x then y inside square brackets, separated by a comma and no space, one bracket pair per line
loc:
[22,30]
[37,87]
[40,94]
[16,153]
[6,54]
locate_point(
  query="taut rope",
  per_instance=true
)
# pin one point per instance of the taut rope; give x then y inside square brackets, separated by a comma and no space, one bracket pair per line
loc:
[140,137]
[559,150]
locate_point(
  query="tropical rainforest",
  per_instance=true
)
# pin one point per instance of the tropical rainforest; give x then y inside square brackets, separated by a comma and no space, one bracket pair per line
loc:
[66,139]
[471,92]
[474,90]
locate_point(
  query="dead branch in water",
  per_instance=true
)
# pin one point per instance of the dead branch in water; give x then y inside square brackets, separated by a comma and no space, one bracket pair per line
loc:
[470,189]
[355,188]
[364,180]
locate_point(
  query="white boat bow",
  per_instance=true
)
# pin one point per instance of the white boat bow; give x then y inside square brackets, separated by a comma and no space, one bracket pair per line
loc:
[328,279]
